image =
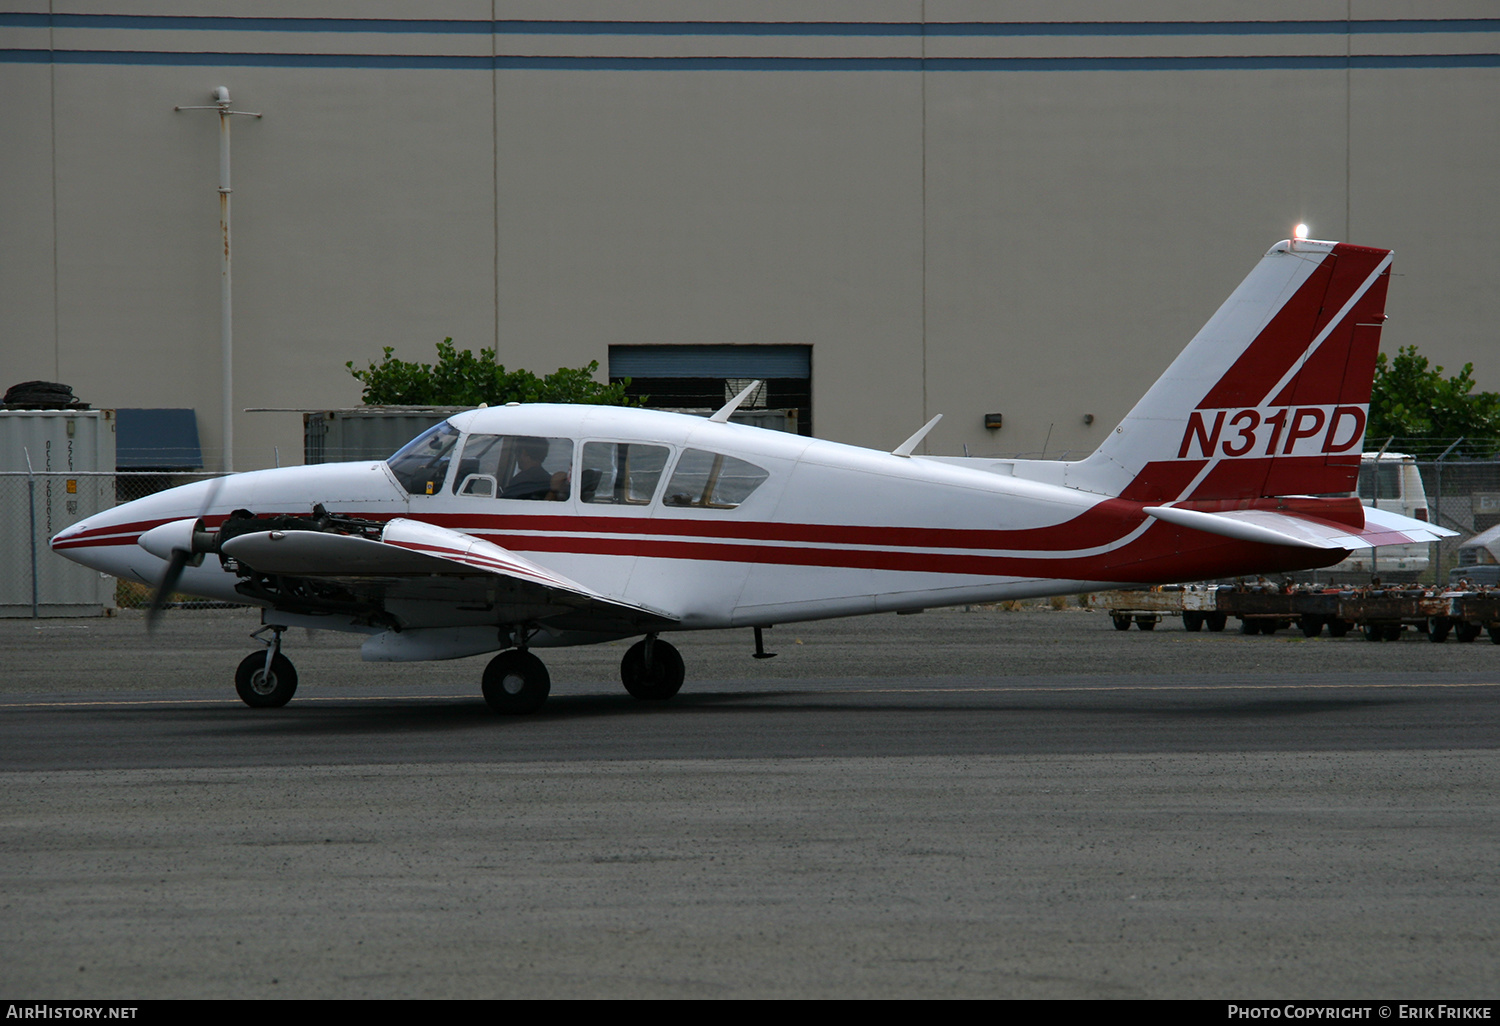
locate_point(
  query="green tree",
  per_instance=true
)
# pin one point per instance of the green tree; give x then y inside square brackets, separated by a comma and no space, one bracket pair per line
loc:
[459,378]
[1413,401]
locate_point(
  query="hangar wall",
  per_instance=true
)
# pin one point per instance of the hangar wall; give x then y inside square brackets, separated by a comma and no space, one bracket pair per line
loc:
[963,208]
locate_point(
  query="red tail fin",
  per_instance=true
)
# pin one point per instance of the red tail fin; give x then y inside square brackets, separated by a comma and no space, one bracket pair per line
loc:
[1271,397]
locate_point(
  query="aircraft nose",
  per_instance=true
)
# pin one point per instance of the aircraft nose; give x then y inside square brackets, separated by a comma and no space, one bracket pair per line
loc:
[92,540]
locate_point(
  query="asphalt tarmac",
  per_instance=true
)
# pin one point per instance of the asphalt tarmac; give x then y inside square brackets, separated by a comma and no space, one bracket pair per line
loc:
[980,804]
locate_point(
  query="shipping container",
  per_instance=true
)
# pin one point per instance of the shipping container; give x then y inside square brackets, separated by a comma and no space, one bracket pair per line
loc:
[71,476]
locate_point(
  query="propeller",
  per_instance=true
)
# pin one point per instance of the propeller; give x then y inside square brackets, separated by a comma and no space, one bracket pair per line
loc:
[182,543]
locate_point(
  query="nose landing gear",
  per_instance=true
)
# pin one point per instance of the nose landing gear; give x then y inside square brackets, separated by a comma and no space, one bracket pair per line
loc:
[266,680]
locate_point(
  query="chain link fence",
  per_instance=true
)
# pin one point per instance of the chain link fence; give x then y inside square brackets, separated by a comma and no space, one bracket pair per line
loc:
[37,582]
[1463,496]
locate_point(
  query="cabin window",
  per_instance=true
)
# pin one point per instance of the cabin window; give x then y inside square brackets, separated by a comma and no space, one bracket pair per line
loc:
[621,473]
[515,467]
[421,465]
[711,480]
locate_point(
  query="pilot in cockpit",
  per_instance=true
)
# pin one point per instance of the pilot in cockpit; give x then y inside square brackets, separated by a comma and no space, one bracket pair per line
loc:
[531,480]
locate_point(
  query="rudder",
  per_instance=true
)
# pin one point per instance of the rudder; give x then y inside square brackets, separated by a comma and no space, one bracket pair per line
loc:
[1270,397]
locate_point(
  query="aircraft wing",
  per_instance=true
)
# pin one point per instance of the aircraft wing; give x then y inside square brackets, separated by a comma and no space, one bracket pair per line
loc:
[1272,527]
[420,575]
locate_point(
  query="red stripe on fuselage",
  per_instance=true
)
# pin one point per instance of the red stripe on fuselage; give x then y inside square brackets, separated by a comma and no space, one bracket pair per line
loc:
[1162,551]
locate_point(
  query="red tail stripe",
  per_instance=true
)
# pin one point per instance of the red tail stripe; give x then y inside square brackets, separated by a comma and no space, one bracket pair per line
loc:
[1279,343]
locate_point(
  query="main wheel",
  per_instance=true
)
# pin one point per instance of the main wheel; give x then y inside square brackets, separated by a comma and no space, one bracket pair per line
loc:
[657,682]
[1192,621]
[1438,628]
[1122,623]
[516,682]
[1217,621]
[1311,624]
[259,690]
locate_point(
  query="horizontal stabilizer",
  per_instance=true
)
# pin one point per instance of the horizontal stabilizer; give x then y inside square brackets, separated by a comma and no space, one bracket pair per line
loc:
[1272,527]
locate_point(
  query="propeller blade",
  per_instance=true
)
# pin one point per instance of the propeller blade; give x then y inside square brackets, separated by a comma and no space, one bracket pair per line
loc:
[165,587]
[178,563]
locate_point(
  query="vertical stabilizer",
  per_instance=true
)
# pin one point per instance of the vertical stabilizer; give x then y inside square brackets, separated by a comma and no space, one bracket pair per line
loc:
[1270,397]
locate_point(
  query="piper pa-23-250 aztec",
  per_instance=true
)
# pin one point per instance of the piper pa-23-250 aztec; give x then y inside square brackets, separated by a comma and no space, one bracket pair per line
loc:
[517,527]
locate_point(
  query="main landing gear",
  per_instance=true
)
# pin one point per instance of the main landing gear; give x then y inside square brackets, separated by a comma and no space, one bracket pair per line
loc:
[652,670]
[515,681]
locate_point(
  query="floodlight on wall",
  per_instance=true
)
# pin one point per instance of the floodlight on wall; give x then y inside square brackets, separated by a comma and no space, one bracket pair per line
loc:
[993,421]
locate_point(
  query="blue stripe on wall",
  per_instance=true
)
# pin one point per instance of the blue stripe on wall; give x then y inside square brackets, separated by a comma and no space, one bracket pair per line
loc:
[462,62]
[745,28]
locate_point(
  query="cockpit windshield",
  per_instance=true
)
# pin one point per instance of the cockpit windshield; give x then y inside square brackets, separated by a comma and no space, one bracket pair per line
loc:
[422,464]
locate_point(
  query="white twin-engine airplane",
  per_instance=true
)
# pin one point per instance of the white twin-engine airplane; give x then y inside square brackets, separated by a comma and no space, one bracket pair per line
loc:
[524,526]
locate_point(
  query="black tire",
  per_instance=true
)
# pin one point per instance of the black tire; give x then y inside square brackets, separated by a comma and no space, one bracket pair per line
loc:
[1373,631]
[1495,635]
[1217,621]
[1122,623]
[1438,628]
[1393,631]
[1192,622]
[1146,623]
[259,691]
[1466,632]
[1249,626]
[1338,628]
[1311,625]
[658,682]
[516,682]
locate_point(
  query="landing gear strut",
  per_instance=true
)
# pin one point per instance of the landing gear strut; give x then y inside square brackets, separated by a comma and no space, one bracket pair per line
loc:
[266,680]
[652,670]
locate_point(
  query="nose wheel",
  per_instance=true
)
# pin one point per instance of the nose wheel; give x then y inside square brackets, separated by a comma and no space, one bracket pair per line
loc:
[263,686]
[266,680]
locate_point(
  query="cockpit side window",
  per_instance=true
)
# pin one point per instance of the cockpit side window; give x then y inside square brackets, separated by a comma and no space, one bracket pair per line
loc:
[621,473]
[515,467]
[711,480]
[421,465]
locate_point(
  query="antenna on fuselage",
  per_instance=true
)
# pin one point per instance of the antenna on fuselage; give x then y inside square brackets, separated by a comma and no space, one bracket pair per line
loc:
[906,447]
[722,416]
